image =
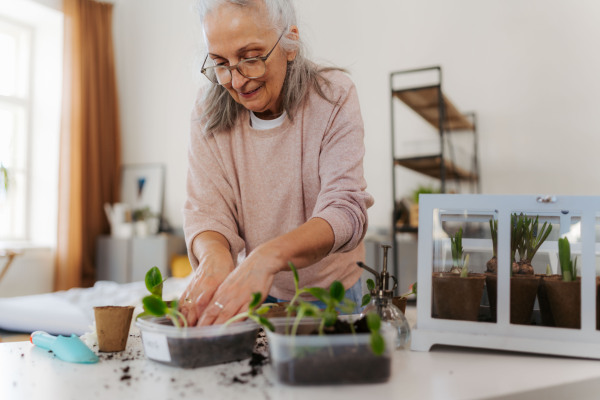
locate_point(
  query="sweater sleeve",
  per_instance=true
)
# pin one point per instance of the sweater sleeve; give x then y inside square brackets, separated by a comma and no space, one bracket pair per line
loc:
[342,200]
[210,201]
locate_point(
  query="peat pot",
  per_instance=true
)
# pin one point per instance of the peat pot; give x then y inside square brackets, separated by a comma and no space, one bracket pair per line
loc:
[455,297]
[523,290]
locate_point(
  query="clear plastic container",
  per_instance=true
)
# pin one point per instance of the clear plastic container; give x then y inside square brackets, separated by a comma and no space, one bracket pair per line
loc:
[306,359]
[196,346]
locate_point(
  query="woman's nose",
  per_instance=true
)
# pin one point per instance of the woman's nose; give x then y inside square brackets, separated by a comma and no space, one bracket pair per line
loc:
[237,80]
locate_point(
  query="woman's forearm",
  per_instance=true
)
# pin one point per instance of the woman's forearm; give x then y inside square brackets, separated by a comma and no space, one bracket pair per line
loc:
[303,246]
[208,242]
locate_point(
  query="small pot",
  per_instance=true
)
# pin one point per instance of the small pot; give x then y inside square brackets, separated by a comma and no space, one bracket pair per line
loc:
[112,327]
[565,302]
[312,359]
[545,310]
[523,289]
[400,302]
[457,298]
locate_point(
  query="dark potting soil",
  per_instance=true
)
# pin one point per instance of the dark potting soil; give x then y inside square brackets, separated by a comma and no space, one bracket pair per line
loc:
[199,352]
[342,364]
[337,364]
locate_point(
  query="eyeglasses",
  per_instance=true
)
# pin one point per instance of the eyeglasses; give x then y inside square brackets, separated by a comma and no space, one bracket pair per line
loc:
[251,68]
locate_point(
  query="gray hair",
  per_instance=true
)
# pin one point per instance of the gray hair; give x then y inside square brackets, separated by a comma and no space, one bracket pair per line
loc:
[221,110]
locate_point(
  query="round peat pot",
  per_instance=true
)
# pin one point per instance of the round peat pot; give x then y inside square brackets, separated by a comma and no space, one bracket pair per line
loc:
[565,302]
[112,327]
[523,290]
[457,298]
[194,347]
[545,310]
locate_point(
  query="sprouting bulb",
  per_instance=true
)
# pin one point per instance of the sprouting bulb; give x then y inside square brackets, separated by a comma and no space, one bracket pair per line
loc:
[381,301]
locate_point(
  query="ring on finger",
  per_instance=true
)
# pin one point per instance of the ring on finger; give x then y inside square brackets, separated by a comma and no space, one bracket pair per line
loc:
[221,306]
[188,300]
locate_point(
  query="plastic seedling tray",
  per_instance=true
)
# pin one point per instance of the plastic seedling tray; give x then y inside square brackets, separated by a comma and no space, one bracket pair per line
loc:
[194,347]
[312,359]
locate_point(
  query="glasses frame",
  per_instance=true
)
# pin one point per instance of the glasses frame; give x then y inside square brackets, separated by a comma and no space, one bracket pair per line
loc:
[236,66]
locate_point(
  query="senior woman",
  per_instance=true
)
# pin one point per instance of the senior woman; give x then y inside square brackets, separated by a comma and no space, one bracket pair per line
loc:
[275,166]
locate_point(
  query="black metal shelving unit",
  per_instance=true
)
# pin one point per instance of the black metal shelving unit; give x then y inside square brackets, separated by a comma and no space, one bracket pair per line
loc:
[430,102]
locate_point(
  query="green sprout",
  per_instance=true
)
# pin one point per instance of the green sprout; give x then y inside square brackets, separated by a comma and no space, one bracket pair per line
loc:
[526,240]
[154,305]
[460,262]
[568,266]
[255,313]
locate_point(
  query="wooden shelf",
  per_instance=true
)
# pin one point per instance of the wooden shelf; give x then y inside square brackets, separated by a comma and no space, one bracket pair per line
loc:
[406,229]
[425,102]
[430,166]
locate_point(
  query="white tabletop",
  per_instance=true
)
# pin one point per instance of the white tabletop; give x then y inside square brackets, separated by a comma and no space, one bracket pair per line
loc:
[28,372]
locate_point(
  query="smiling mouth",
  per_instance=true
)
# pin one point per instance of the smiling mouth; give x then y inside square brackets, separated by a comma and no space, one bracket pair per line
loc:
[251,92]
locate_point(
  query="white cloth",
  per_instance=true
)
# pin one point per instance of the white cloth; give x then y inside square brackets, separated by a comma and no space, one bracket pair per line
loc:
[72,311]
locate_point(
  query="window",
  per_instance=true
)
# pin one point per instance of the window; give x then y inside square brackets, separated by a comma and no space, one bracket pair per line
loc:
[31,40]
[15,110]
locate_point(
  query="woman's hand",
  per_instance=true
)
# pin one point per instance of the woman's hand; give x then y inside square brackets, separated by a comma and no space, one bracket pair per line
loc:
[233,296]
[215,264]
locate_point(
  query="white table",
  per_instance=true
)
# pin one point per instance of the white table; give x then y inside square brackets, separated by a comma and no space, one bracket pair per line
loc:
[28,372]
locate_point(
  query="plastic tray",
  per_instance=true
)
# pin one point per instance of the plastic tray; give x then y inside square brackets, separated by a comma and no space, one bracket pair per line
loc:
[196,346]
[327,359]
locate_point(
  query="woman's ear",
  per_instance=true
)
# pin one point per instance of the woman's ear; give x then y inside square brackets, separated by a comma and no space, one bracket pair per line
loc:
[294,35]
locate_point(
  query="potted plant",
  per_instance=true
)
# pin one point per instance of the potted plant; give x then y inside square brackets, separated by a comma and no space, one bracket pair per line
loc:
[564,295]
[526,239]
[414,207]
[167,338]
[145,221]
[318,346]
[457,293]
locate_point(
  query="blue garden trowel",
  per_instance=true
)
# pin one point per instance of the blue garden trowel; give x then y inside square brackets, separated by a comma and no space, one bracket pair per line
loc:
[70,349]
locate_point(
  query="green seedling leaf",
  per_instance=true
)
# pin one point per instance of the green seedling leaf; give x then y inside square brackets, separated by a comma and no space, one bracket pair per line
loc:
[255,302]
[266,323]
[377,343]
[154,281]
[564,256]
[295,272]
[154,305]
[373,322]
[337,291]
[263,309]
[319,293]
[365,300]
[370,284]
[329,317]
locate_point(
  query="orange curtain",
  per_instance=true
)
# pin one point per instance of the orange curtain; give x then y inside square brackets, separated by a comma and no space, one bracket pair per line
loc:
[90,153]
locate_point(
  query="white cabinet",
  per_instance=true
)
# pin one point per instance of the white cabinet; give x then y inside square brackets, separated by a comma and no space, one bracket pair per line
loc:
[127,260]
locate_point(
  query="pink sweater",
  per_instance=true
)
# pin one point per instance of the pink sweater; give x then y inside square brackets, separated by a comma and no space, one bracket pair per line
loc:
[254,185]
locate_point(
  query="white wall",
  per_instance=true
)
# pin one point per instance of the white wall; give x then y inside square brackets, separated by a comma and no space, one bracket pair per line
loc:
[528,68]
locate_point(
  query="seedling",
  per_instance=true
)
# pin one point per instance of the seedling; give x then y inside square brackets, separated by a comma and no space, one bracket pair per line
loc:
[255,313]
[526,241]
[492,264]
[568,266]
[334,300]
[460,261]
[154,305]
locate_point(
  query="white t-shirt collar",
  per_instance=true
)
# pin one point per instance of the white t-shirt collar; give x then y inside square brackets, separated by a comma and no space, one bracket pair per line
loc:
[264,124]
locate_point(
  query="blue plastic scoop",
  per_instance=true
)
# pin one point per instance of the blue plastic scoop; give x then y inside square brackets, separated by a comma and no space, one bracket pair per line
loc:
[70,349]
